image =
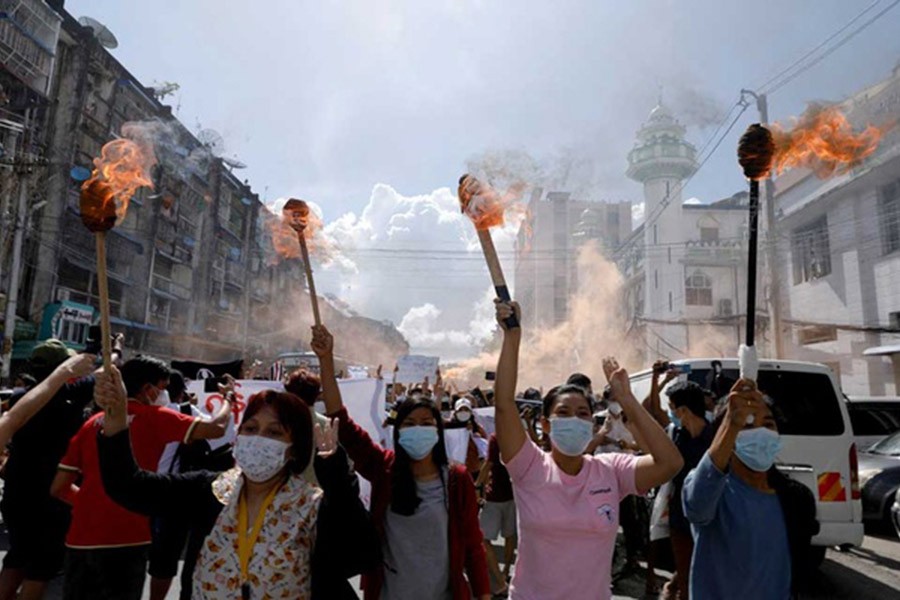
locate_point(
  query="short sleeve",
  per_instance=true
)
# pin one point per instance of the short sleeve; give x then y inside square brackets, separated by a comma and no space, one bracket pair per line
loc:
[526,467]
[174,426]
[72,461]
[624,467]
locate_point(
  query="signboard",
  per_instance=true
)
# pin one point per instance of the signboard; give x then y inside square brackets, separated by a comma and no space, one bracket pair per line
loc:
[414,368]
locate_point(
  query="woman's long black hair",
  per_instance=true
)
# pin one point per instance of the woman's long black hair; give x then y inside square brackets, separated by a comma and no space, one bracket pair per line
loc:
[404,496]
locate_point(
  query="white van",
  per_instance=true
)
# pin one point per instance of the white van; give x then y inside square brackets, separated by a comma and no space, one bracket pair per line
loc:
[819,450]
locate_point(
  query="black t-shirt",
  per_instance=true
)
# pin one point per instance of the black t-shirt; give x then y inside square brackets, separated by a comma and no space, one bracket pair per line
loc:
[37,448]
[692,450]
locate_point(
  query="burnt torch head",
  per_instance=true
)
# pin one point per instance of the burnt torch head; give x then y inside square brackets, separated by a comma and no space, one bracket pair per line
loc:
[756,151]
[296,214]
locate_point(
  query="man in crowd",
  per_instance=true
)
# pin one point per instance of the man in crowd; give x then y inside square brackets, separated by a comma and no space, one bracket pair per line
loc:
[36,522]
[692,435]
[498,516]
[107,545]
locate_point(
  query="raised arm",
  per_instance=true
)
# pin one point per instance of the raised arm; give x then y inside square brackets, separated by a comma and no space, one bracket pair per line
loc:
[652,403]
[37,397]
[510,431]
[217,427]
[663,461]
[368,457]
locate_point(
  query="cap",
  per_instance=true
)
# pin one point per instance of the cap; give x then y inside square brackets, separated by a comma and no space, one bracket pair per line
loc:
[462,403]
[51,353]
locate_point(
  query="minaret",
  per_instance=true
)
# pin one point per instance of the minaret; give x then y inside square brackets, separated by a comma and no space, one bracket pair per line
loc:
[662,159]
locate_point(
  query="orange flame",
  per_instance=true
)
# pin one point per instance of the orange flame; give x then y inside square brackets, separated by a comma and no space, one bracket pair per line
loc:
[123,167]
[284,234]
[824,142]
[485,206]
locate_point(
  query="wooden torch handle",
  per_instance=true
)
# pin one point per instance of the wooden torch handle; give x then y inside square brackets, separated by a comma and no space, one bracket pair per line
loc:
[310,282]
[496,271]
[103,286]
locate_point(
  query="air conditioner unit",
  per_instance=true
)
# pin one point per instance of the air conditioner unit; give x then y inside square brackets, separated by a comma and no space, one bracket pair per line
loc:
[725,308]
[62,294]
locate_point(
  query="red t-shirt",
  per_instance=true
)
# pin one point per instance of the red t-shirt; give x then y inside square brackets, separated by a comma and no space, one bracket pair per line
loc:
[499,487]
[97,521]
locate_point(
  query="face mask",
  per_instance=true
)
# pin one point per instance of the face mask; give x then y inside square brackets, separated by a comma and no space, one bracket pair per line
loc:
[463,416]
[418,440]
[674,418]
[260,458]
[571,435]
[710,416]
[162,398]
[757,448]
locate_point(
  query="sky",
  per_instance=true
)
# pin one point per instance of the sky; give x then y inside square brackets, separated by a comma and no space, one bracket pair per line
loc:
[372,109]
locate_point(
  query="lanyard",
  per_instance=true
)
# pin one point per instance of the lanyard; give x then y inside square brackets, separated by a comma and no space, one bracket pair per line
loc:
[246,540]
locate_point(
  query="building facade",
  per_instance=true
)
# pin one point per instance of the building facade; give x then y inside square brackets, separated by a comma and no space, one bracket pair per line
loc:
[841,240]
[685,266]
[555,228]
[191,268]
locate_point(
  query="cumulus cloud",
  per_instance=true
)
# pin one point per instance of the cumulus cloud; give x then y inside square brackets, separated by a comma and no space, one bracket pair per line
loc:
[418,264]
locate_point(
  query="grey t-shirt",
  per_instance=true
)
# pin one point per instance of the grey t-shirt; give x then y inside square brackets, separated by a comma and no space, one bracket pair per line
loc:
[417,549]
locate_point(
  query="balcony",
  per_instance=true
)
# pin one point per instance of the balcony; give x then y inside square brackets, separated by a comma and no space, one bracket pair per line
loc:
[172,288]
[717,252]
[29,31]
[235,275]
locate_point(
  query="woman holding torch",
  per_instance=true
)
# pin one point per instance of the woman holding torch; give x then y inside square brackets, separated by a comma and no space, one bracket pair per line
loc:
[567,501]
[426,511]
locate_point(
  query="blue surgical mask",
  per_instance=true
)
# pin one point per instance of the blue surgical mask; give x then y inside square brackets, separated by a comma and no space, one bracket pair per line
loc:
[674,418]
[757,448]
[710,416]
[571,435]
[418,440]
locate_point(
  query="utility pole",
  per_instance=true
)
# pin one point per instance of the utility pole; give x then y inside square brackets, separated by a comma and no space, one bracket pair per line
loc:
[762,106]
[12,294]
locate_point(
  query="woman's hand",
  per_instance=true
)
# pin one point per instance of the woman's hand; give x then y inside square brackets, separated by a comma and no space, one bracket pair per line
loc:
[505,310]
[617,377]
[745,404]
[322,341]
[110,395]
[326,438]
[227,389]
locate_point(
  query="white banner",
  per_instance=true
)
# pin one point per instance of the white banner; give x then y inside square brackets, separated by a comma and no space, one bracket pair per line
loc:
[414,368]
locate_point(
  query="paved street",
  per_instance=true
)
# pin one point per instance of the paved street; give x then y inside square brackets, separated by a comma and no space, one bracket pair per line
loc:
[872,571]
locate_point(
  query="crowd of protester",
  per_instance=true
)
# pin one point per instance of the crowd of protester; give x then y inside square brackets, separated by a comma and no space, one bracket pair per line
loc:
[114,474]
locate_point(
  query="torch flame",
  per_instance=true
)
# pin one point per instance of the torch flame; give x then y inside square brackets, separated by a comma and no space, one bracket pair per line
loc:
[823,141]
[122,168]
[485,206]
[284,232]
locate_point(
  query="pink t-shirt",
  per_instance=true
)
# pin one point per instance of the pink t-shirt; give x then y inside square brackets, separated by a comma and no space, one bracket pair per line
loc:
[567,525]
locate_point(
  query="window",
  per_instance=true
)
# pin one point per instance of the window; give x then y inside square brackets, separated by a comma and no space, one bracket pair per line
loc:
[725,307]
[709,234]
[698,290]
[889,217]
[817,334]
[874,418]
[811,251]
[670,302]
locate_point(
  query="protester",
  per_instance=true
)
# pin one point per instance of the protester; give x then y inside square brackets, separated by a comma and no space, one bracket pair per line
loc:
[308,387]
[305,542]
[476,446]
[498,515]
[426,511]
[107,556]
[567,502]
[752,525]
[582,381]
[692,435]
[171,534]
[40,423]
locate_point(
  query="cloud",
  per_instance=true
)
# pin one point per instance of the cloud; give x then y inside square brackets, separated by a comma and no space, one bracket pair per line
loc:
[418,263]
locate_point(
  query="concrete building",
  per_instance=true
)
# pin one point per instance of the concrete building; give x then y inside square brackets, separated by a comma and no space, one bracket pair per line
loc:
[685,264]
[840,237]
[191,273]
[547,246]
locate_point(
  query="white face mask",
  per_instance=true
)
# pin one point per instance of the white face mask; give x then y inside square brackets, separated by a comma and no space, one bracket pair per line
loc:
[260,458]
[463,416]
[162,399]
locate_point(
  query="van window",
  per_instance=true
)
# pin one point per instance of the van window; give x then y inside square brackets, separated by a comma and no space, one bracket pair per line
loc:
[806,401]
[874,418]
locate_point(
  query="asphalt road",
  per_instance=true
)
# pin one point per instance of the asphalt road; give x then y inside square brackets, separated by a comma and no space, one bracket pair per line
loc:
[871,571]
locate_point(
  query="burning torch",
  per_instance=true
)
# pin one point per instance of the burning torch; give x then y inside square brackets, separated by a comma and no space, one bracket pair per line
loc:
[122,168]
[296,215]
[755,152]
[485,208]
